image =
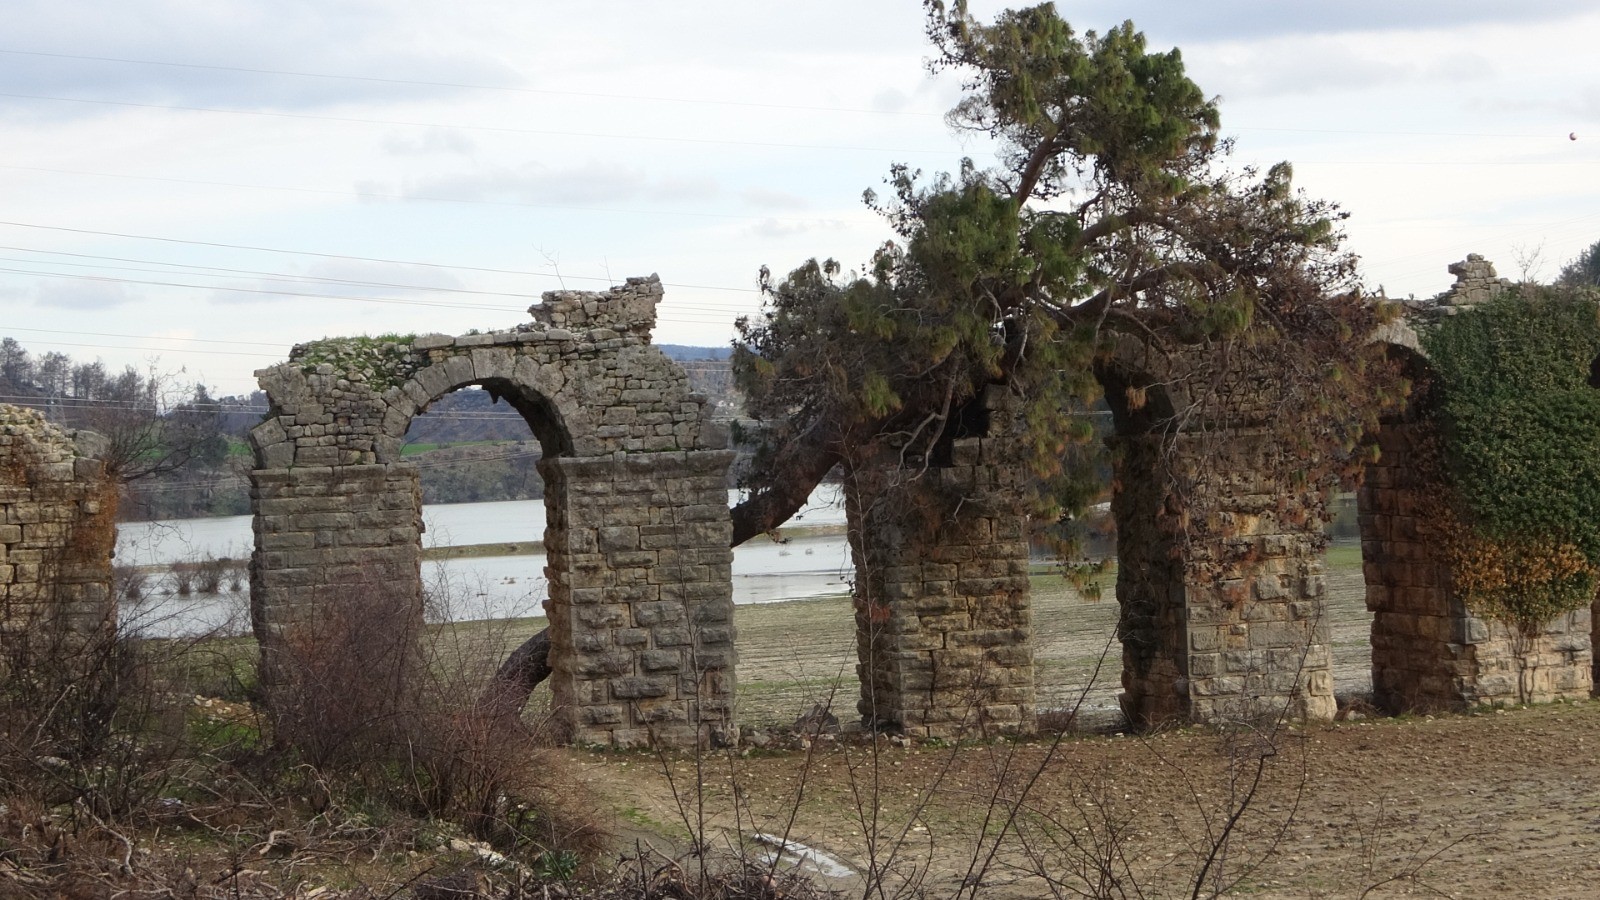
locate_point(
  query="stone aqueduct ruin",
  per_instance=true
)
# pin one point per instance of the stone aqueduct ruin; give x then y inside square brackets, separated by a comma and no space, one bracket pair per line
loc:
[642,643]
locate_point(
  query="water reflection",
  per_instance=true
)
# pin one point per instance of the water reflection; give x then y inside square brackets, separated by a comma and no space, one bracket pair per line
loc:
[465,589]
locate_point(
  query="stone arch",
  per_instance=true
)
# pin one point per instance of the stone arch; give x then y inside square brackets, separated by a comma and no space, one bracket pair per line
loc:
[527,396]
[638,562]
[1419,631]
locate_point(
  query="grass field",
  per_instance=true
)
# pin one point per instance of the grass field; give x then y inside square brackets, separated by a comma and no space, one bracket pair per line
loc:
[800,652]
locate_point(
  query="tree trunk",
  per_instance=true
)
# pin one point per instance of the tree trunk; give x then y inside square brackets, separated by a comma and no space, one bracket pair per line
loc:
[522,671]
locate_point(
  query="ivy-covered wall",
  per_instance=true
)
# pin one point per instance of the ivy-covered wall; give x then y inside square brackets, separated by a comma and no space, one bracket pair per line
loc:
[1519,417]
[1477,514]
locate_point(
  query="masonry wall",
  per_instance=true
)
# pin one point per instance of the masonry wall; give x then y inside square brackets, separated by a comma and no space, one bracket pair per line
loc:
[1428,650]
[943,627]
[331,534]
[57,532]
[583,374]
[641,598]
[1217,627]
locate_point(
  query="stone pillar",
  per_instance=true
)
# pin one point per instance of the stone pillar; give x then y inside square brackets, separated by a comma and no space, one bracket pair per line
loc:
[1221,590]
[57,534]
[641,597]
[943,627]
[329,535]
[1428,650]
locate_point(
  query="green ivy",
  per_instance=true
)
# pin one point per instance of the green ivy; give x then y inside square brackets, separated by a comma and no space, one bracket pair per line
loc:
[382,361]
[1521,447]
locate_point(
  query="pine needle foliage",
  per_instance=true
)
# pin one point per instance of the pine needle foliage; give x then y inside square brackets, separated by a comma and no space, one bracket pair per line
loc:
[1110,216]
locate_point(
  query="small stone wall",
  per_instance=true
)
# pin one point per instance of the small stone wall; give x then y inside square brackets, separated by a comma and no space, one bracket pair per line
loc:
[1476,282]
[943,627]
[57,532]
[1217,629]
[641,598]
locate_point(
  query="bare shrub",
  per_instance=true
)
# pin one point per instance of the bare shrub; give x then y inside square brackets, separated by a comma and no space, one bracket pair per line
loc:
[84,722]
[338,677]
[129,585]
[372,700]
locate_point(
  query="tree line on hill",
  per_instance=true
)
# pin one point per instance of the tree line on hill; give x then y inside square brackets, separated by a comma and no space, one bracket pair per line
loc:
[182,453]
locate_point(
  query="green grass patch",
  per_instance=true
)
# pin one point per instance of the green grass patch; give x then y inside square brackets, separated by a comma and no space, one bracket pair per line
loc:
[1344,556]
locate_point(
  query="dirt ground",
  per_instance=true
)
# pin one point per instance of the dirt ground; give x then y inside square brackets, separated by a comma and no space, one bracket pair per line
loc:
[1492,804]
[1497,804]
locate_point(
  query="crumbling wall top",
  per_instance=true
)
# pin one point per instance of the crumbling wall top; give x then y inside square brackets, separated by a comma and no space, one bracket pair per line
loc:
[36,450]
[1476,283]
[630,306]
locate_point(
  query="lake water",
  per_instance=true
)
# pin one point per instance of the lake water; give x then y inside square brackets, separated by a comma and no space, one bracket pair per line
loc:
[459,589]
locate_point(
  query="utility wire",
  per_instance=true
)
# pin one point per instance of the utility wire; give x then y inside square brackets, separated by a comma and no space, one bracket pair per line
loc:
[475,87]
[706,101]
[672,314]
[405,198]
[341,256]
[201,271]
[501,129]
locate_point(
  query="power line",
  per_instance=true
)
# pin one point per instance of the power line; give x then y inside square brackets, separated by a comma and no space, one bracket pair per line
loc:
[475,87]
[207,272]
[1501,237]
[142,337]
[403,198]
[204,271]
[707,101]
[711,317]
[245,290]
[1439,162]
[1379,133]
[340,256]
[501,129]
[164,349]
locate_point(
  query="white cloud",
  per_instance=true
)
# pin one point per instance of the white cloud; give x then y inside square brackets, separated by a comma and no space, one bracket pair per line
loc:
[587,183]
[766,199]
[82,295]
[429,142]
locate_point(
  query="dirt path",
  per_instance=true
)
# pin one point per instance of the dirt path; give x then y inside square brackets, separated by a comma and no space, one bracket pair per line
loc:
[1498,804]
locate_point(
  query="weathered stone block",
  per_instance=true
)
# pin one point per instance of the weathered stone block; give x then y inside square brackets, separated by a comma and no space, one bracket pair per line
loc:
[649,615]
[597,665]
[639,687]
[660,660]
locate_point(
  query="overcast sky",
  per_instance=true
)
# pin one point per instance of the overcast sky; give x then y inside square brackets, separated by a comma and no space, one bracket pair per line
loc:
[210,183]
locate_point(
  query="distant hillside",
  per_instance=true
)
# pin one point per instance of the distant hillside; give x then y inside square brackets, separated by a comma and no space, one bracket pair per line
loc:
[465,417]
[684,352]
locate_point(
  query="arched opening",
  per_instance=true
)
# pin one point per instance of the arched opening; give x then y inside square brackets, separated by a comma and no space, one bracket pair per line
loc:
[484,513]
[1220,585]
[636,532]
